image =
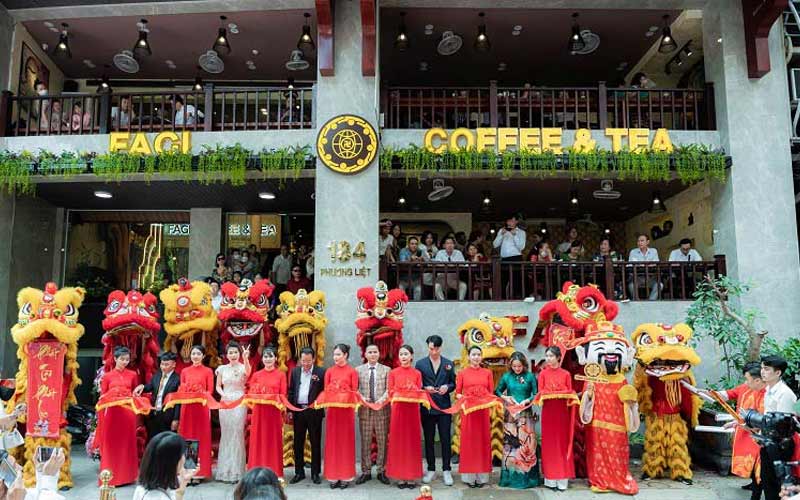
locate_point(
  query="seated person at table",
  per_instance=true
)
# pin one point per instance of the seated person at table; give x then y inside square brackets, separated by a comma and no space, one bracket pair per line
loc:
[685,252]
[605,251]
[412,277]
[572,235]
[684,277]
[643,253]
[541,252]
[575,252]
[449,279]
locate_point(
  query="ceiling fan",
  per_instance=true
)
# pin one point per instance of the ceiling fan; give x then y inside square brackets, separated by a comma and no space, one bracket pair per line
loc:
[587,219]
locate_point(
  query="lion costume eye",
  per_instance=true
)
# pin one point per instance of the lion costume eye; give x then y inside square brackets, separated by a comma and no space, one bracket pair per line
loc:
[262,300]
[399,307]
[319,307]
[645,339]
[589,304]
[26,309]
[476,336]
[114,306]
[70,310]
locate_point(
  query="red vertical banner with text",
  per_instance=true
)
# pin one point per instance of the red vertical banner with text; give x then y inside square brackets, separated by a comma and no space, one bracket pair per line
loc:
[45,385]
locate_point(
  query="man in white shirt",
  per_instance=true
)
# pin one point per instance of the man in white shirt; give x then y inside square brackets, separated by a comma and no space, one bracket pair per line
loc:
[450,279]
[778,398]
[186,114]
[511,241]
[643,253]
[281,270]
[685,252]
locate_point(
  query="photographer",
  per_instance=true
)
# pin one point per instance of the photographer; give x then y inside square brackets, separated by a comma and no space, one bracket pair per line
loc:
[46,478]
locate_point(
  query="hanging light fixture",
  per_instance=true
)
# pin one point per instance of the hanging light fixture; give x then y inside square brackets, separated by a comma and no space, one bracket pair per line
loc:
[573,197]
[306,41]
[401,41]
[667,44]
[486,198]
[401,198]
[290,83]
[606,229]
[576,41]
[198,84]
[62,47]
[482,43]
[142,46]
[105,84]
[687,49]
[222,45]
[657,204]
[543,228]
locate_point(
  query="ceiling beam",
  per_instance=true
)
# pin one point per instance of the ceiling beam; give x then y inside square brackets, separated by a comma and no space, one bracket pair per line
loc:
[368,37]
[325,37]
[759,16]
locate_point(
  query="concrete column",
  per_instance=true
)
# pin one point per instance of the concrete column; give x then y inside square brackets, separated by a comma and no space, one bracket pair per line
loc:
[754,211]
[27,237]
[205,241]
[6,42]
[346,205]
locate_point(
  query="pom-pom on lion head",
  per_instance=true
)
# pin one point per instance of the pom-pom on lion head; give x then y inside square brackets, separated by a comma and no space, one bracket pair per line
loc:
[380,321]
[301,323]
[190,319]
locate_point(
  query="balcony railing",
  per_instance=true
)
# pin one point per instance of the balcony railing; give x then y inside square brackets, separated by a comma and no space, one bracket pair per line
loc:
[210,109]
[575,107]
[497,280]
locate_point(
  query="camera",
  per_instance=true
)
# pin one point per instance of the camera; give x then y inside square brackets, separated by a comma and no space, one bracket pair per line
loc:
[774,426]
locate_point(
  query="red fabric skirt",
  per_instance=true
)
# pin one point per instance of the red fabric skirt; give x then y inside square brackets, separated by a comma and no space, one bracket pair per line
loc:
[476,447]
[195,423]
[405,429]
[266,439]
[607,460]
[340,444]
[557,428]
[118,447]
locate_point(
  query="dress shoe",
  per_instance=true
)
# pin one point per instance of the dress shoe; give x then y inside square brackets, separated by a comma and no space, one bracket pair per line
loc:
[315,478]
[334,484]
[382,478]
[363,478]
[344,484]
[748,486]
[645,476]
[297,478]
[429,476]
[447,477]
[684,480]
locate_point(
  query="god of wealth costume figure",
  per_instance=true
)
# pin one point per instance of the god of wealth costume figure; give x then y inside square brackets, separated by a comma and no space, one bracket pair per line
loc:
[495,337]
[190,319]
[243,316]
[301,323]
[380,321]
[609,410]
[47,333]
[131,320]
[665,359]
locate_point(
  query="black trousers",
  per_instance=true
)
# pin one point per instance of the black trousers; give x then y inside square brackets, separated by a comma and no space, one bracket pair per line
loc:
[158,422]
[513,275]
[770,483]
[429,425]
[308,422]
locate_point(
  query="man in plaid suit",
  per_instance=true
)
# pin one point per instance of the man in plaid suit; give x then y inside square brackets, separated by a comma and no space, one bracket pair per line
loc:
[372,384]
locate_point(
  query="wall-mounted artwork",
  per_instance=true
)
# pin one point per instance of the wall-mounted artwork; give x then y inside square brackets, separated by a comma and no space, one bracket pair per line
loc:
[31,69]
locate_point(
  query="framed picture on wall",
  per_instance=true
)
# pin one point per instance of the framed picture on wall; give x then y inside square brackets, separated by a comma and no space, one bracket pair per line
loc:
[31,69]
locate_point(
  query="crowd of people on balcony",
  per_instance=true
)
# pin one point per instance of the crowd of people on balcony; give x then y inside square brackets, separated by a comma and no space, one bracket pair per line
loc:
[510,244]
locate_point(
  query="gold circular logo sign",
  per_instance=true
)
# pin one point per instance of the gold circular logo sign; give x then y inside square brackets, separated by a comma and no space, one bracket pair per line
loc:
[347,144]
[592,370]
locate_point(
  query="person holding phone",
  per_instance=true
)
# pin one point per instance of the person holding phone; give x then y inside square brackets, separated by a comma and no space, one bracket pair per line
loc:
[196,400]
[117,412]
[162,475]
[47,470]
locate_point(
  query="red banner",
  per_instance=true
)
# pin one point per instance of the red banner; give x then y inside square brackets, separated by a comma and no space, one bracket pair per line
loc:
[45,386]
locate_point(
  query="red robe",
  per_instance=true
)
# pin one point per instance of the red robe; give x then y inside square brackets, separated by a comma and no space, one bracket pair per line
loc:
[118,447]
[195,420]
[266,424]
[341,399]
[558,400]
[607,449]
[746,452]
[404,425]
[476,446]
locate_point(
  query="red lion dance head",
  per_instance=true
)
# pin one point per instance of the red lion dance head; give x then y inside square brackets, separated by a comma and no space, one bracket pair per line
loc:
[243,314]
[132,321]
[380,321]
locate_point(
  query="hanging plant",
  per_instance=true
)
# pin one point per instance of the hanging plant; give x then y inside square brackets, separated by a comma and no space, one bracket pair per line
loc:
[67,164]
[173,163]
[15,173]
[223,164]
[283,163]
[116,166]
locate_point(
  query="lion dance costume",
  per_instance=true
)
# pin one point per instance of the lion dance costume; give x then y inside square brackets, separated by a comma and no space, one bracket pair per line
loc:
[190,320]
[131,321]
[608,406]
[576,307]
[495,337]
[380,321]
[665,359]
[301,323]
[47,333]
[243,316]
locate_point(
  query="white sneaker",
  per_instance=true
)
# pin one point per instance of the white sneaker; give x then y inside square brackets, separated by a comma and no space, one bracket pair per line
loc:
[430,475]
[448,478]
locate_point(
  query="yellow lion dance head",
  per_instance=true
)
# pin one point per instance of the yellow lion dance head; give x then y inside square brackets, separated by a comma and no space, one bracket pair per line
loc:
[663,351]
[495,337]
[190,319]
[301,323]
[47,314]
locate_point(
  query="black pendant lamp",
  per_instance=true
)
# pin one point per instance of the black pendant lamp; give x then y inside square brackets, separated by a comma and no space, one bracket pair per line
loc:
[667,44]
[576,41]
[401,40]
[62,47]
[482,43]
[306,42]
[142,46]
[222,45]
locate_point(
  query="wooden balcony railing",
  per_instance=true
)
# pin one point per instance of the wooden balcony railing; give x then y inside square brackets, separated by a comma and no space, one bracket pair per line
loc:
[576,107]
[497,280]
[210,109]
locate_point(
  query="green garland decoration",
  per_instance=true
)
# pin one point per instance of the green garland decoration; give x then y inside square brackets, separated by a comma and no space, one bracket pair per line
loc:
[15,173]
[284,163]
[691,163]
[223,164]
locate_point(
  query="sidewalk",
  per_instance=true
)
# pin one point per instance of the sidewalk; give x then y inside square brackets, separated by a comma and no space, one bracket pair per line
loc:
[707,486]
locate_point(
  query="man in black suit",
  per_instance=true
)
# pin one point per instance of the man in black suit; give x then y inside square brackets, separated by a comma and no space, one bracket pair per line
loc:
[305,383]
[163,383]
[439,379]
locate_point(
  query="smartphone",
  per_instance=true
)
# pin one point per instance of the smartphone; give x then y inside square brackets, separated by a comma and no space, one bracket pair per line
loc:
[8,474]
[45,452]
[192,453]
